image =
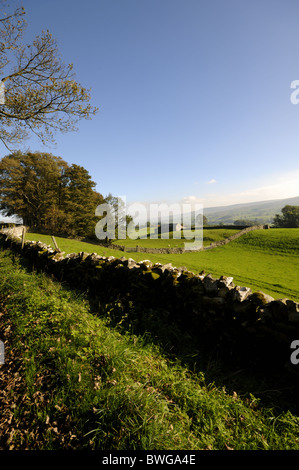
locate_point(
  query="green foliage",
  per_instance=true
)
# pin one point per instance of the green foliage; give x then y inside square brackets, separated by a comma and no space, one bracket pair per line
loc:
[201,220]
[48,193]
[118,212]
[245,222]
[80,200]
[41,94]
[289,217]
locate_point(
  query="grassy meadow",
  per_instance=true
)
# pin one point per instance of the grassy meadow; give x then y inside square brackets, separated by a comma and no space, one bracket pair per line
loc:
[70,381]
[266,260]
[176,239]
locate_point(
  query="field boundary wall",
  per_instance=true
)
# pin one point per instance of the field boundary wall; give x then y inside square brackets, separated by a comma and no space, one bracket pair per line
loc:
[141,249]
[241,324]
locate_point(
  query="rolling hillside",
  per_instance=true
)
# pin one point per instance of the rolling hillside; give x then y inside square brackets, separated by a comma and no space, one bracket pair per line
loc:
[262,211]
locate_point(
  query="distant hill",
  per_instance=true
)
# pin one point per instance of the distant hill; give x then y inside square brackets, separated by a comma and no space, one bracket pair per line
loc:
[261,212]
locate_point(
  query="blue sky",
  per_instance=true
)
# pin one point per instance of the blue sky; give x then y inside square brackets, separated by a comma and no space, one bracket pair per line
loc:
[193,96]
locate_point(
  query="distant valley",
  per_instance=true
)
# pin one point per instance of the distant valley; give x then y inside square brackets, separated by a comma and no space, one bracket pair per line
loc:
[261,212]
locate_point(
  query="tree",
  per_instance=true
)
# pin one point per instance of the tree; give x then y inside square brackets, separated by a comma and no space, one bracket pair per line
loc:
[289,217]
[201,220]
[245,222]
[80,199]
[49,194]
[41,94]
[118,212]
[29,185]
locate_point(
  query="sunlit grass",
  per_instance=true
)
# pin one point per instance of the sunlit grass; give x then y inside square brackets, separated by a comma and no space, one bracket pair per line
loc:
[266,260]
[85,386]
[178,239]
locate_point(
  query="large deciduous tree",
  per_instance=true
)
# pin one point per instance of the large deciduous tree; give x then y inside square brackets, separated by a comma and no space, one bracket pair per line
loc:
[41,94]
[48,193]
[80,199]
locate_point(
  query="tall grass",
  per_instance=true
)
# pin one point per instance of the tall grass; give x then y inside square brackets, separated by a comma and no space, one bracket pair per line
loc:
[83,385]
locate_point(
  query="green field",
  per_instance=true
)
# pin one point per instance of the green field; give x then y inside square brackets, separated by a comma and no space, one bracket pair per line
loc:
[177,240]
[72,382]
[266,260]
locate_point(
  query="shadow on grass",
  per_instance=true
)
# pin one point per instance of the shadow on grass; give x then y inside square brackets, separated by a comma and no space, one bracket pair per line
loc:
[226,360]
[268,379]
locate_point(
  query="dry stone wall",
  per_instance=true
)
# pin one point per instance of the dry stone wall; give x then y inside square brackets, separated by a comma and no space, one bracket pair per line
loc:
[235,236]
[169,250]
[143,249]
[241,324]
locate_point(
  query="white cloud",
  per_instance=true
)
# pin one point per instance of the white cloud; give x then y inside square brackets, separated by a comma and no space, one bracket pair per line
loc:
[212,181]
[271,186]
[193,200]
[275,187]
[283,186]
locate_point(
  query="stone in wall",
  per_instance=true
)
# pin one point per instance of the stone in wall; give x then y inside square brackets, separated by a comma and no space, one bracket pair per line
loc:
[210,285]
[293,311]
[241,293]
[260,298]
[198,303]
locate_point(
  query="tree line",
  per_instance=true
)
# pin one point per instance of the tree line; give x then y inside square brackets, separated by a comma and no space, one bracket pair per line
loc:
[39,95]
[48,193]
